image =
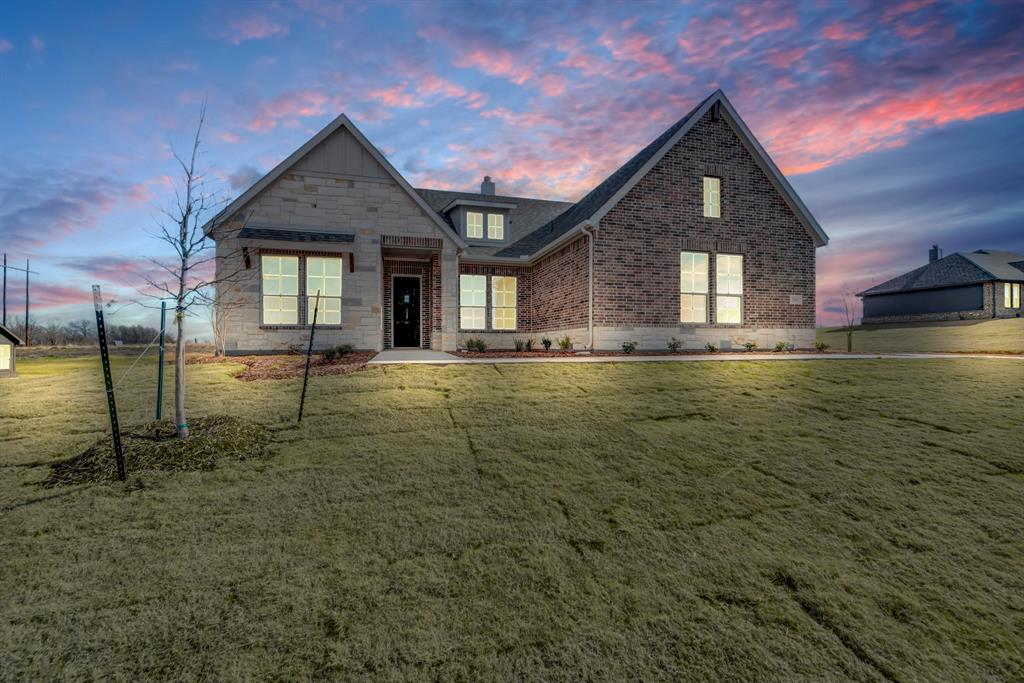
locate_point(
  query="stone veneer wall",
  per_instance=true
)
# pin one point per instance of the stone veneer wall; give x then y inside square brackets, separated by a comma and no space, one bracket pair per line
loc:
[636,250]
[367,208]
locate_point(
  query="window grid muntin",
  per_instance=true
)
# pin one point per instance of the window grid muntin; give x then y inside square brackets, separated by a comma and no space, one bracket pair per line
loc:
[503,302]
[495,226]
[693,286]
[729,289]
[712,197]
[472,302]
[475,225]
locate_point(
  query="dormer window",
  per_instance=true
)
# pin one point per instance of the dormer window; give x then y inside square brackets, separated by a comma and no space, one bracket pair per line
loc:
[474,225]
[495,226]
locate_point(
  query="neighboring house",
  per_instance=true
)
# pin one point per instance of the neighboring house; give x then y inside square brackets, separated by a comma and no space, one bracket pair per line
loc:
[698,236]
[8,342]
[962,286]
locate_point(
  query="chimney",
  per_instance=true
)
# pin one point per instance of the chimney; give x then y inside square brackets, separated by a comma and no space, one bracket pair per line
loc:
[487,186]
[934,254]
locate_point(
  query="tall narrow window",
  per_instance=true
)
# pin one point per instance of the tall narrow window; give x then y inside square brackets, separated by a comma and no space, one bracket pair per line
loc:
[712,197]
[1011,295]
[729,288]
[5,356]
[280,289]
[503,302]
[323,274]
[495,226]
[474,225]
[472,302]
[693,287]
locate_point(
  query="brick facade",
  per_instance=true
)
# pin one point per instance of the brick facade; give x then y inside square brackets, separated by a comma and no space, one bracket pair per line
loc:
[636,252]
[430,288]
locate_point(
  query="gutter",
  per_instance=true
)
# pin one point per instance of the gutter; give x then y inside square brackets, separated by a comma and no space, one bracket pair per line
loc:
[588,230]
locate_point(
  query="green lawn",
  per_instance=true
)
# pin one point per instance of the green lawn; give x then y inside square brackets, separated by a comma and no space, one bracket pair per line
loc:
[856,520]
[985,336]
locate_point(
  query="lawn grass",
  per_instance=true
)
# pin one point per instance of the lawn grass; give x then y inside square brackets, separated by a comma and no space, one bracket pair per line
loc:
[856,520]
[983,336]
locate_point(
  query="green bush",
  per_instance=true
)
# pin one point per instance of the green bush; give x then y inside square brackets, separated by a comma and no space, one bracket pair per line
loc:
[529,344]
[546,343]
[565,343]
[821,346]
[750,346]
[334,352]
[628,346]
[781,346]
[476,344]
[674,345]
[710,348]
[518,343]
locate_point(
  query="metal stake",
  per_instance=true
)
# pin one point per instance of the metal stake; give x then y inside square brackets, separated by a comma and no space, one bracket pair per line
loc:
[309,355]
[101,332]
[160,364]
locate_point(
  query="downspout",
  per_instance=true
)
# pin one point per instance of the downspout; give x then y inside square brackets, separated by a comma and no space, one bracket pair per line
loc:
[588,230]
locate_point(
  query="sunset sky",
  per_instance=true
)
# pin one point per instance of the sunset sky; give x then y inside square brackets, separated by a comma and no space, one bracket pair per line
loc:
[900,124]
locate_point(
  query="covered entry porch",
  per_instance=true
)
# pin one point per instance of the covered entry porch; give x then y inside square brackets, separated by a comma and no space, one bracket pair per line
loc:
[411,301]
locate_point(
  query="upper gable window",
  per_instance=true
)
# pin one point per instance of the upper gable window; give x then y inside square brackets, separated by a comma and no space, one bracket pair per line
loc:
[712,197]
[495,226]
[474,225]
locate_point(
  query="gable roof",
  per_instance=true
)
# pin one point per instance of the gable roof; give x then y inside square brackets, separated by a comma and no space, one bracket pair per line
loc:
[953,271]
[4,332]
[341,121]
[527,215]
[596,203]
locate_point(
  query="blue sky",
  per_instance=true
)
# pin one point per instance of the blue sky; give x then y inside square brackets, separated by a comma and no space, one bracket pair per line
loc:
[899,123]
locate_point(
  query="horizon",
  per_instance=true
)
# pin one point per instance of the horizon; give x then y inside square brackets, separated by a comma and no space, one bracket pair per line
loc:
[897,124]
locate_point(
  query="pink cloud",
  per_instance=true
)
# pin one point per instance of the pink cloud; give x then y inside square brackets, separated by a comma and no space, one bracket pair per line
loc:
[286,110]
[229,138]
[5,45]
[841,32]
[255,27]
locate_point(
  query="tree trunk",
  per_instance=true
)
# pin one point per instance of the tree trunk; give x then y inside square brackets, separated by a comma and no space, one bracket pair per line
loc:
[849,339]
[179,375]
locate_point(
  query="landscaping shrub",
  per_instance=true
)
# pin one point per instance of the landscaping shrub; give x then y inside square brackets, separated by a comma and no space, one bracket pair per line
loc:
[334,352]
[518,343]
[750,346]
[780,346]
[674,345]
[529,344]
[820,345]
[476,344]
[710,348]
[565,343]
[546,343]
[628,346]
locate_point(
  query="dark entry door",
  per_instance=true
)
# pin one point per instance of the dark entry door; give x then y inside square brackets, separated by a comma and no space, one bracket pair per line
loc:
[406,315]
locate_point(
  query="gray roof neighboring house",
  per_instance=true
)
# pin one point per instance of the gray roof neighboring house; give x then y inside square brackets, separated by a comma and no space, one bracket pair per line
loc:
[14,339]
[960,268]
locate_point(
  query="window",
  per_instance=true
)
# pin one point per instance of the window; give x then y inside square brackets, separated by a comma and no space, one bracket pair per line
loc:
[729,288]
[472,302]
[693,287]
[503,302]
[5,356]
[324,274]
[474,225]
[495,226]
[1011,295]
[712,197]
[280,290]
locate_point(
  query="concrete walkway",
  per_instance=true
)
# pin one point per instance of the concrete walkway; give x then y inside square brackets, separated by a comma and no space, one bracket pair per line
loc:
[424,356]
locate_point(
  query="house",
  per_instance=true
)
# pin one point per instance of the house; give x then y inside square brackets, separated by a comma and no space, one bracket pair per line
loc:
[963,286]
[8,342]
[698,236]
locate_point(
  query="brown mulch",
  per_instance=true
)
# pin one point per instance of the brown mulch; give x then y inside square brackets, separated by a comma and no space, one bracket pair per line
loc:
[504,353]
[154,447]
[288,366]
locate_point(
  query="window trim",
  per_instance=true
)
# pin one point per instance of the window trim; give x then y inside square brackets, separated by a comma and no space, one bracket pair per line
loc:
[1011,295]
[704,196]
[719,295]
[6,356]
[489,226]
[514,308]
[484,307]
[483,224]
[303,314]
[707,288]
[323,297]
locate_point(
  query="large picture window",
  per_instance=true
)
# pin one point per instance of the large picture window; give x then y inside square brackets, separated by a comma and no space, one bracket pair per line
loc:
[474,225]
[324,274]
[693,287]
[729,288]
[280,289]
[503,302]
[472,302]
[1011,295]
[712,197]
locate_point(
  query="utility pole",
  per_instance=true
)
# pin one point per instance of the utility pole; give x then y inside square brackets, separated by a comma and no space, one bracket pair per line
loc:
[27,271]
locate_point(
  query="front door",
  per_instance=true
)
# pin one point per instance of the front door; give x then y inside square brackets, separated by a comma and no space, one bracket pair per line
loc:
[406,312]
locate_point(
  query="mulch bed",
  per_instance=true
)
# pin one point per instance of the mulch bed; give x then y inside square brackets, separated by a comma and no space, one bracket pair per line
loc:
[289,366]
[502,353]
[154,447]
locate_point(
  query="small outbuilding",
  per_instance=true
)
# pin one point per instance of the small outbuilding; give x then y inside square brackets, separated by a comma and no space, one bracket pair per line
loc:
[963,286]
[8,342]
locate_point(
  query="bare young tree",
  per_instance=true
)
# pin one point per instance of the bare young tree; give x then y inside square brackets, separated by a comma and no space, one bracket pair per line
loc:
[187,278]
[849,316]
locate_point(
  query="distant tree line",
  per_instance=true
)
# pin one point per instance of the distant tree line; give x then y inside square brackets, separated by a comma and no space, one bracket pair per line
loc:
[82,332]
